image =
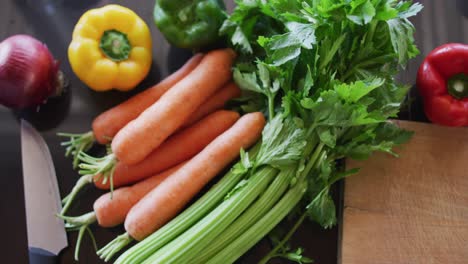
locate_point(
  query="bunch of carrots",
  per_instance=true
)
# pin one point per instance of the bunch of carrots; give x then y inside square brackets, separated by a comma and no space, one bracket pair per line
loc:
[164,145]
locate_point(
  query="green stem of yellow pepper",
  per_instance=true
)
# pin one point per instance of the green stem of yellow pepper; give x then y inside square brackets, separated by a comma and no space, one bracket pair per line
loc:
[115,45]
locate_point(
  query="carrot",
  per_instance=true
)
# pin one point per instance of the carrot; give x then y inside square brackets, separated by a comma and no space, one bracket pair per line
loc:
[215,102]
[145,133]
[177,148]
[180,147]
[108,123]
[112,212]
[166,200]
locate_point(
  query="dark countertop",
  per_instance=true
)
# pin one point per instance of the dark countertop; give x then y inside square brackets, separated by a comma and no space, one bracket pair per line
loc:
[52,22]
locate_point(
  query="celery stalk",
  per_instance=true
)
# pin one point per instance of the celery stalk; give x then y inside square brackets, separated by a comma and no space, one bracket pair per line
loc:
[264,203]
[193,241]
[261,228]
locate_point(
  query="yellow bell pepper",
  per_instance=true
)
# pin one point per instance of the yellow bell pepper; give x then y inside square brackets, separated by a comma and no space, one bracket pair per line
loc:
[110,48]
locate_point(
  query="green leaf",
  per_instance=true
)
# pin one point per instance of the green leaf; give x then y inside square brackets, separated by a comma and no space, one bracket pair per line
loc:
[322,210]
[291,105]
[264,75]
[247,81]
[280,42]
[401,35]
[386,11]
[239,169]
[329,50]
[389,131]
[327,8]
[362,14]
[380,137]
[327,135]
[276,235]
[326,170]
[297,256]
[245,160]
[275,86]
[303,33]
[388,99]
[239,38]
[411,11]
[353,92]
[308,83]
[284,55]
[287,47]
[244,165]
[341,175]
[283,141]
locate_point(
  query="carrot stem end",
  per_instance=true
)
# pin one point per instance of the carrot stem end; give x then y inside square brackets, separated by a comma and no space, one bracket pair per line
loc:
[109,250]
[67,201]
[80,223]
[77,143]
[104,167]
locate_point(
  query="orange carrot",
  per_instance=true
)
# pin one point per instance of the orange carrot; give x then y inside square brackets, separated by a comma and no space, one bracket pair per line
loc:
[107,124]
[215,102]
[142,135]
[179,147]
[111,212]
[164,202]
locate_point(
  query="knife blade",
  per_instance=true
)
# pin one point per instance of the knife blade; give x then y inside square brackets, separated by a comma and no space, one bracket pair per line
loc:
[46,232]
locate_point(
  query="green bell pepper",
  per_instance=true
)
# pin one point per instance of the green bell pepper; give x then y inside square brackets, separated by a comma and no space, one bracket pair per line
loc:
[190,24]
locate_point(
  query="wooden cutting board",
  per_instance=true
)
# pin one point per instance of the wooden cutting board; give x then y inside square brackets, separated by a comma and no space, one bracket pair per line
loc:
[411,209]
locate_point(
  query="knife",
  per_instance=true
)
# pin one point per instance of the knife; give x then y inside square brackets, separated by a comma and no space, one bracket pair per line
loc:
[46,232]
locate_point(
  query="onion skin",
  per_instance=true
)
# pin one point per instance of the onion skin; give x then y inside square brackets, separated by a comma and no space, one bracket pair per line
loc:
[28,72]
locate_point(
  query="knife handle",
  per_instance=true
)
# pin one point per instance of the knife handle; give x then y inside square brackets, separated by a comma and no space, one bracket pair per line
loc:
[41,256]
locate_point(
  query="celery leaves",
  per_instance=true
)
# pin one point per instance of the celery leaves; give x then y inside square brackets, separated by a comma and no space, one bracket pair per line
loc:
[324,71]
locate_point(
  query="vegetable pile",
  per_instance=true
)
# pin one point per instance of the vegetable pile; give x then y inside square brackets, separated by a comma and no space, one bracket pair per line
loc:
[317,81]
[195,141]
[323,73]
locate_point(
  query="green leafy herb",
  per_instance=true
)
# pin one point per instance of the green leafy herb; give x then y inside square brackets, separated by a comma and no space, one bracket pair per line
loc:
[334,62]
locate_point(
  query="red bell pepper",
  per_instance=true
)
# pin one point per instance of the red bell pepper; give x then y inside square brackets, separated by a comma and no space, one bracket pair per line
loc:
[442,81]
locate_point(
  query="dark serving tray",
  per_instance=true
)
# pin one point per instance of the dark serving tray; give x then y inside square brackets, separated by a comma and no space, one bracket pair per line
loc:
[52,22]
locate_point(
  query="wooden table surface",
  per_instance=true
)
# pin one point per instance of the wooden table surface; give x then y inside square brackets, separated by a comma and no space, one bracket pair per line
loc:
[411,209]
[52,21]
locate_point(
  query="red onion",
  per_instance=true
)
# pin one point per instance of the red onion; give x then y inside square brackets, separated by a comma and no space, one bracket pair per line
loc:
[28,72]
